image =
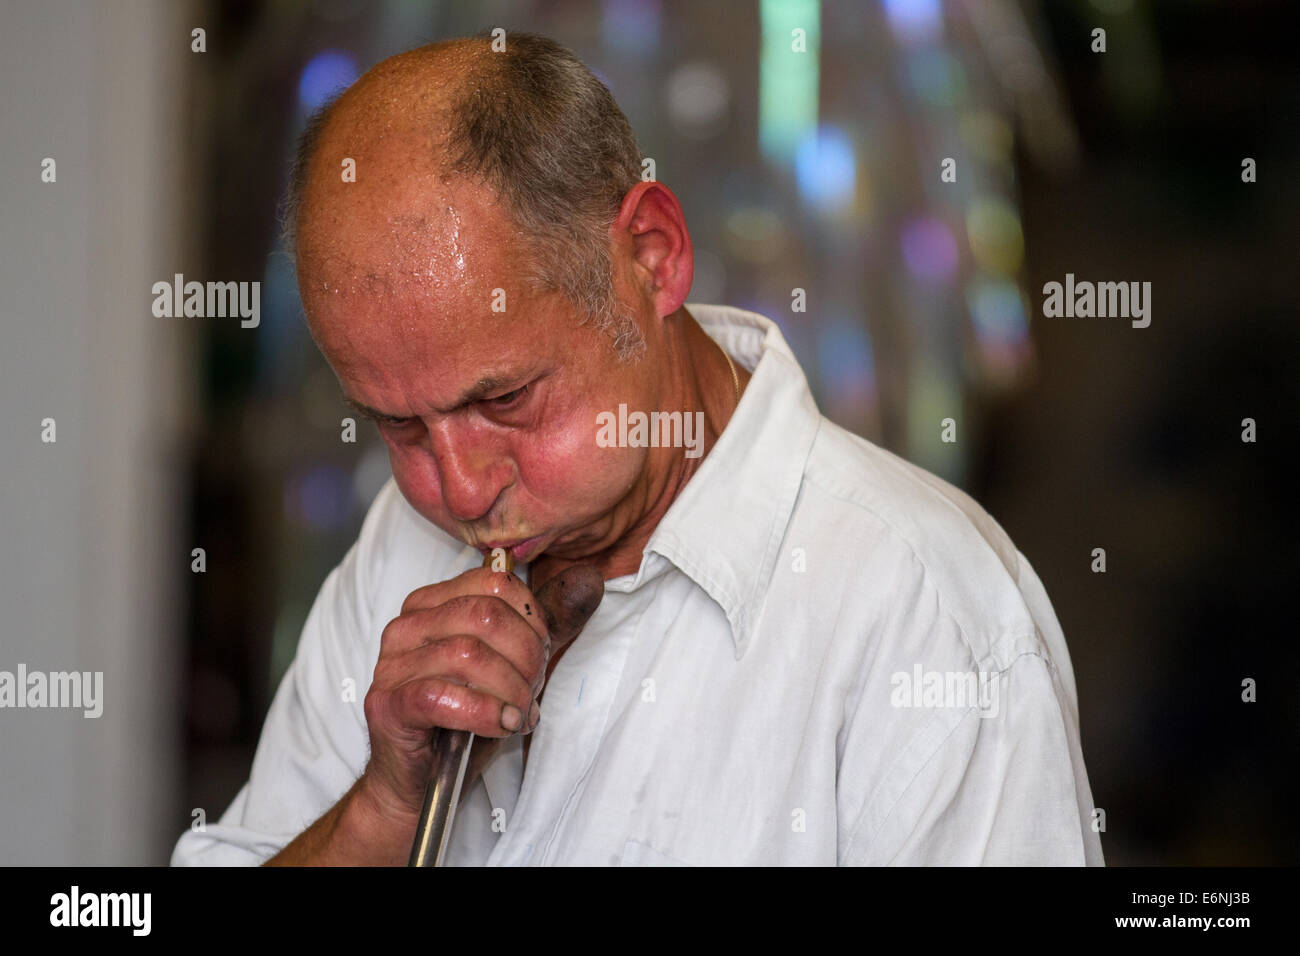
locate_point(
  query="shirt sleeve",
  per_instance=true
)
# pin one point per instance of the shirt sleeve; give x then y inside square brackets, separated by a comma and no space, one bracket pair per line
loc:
[314,742]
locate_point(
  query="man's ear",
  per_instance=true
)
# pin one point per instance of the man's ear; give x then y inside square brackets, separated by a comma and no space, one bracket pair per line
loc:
[650,230]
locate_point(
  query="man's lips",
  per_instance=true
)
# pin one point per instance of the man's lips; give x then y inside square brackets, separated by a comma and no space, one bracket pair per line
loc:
[522,550]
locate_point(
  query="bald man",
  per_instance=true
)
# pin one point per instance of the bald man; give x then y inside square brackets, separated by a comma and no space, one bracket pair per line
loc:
[808,651]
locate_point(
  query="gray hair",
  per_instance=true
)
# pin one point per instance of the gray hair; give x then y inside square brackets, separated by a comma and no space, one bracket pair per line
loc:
[546,135]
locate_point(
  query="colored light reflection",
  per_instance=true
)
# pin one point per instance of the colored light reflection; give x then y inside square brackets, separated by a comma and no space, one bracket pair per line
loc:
[1001,326]
[997,309]
[996,240]
[929,249]
[935,77]
[631,26]
[698,96]
[755,234]
[787,78]
[915,21]
[988,135]
[826,168]
[934,394]
[846,364]
[320,497]
[325,73]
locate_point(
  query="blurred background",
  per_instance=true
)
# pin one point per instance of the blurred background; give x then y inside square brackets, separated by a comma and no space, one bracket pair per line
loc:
[817,170]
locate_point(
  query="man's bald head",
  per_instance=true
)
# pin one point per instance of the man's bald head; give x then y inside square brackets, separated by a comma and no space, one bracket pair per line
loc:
[531,123]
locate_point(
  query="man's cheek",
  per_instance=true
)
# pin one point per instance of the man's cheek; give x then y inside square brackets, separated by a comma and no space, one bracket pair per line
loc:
[554,479]
[600,479]
[584,478]
[562,456]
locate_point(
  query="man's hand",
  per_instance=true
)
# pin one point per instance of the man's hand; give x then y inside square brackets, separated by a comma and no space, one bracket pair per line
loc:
[467,654]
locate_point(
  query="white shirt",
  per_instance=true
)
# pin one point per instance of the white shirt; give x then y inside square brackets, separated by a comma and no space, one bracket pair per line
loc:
[744,697]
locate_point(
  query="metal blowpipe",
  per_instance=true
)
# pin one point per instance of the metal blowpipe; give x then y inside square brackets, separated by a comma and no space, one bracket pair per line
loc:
[450,758]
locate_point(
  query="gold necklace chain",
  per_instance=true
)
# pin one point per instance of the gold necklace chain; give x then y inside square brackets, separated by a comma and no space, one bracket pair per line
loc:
[735,379]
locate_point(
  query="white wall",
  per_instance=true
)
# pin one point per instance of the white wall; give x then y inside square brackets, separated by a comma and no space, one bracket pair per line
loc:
[89,525]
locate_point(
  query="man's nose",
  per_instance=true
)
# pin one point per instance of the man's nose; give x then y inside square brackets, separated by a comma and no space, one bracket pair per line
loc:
[471,471]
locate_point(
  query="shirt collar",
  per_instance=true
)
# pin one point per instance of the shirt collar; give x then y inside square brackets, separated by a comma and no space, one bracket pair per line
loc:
[724,530]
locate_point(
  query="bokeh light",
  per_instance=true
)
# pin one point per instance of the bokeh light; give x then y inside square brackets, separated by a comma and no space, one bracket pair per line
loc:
[935,77]
[631,26]
[320,497]
[826,168]
[789,80]
[846,364]
[325,73]
[915,21]
[996,240]
[698,96]
[929,249]
[1000,321]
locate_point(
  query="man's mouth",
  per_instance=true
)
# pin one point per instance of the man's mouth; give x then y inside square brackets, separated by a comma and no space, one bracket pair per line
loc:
[522,550]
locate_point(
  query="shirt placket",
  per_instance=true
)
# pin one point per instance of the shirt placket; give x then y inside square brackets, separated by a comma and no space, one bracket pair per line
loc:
[575,708]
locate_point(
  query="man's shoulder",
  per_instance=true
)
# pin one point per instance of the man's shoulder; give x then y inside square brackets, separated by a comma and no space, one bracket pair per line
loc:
[399,550]
[917,504]
[906,513]
[390,518]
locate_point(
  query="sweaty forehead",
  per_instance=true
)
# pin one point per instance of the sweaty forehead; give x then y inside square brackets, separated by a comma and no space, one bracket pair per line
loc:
[406,230]
[407,271]
[405,227]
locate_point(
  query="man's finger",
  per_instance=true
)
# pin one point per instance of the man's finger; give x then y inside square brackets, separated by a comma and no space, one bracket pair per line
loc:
[506,586]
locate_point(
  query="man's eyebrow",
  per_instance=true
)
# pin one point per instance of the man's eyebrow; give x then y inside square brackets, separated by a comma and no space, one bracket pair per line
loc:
[476,392]
[364,410]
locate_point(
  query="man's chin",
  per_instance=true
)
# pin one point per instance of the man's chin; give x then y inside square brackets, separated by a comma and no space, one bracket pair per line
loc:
[570,548]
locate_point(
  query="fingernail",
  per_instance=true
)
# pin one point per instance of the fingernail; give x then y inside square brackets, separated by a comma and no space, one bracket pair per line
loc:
[534,714]
[511,718]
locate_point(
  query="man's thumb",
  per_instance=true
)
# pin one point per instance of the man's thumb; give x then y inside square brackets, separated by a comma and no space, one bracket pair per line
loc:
[568,600]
